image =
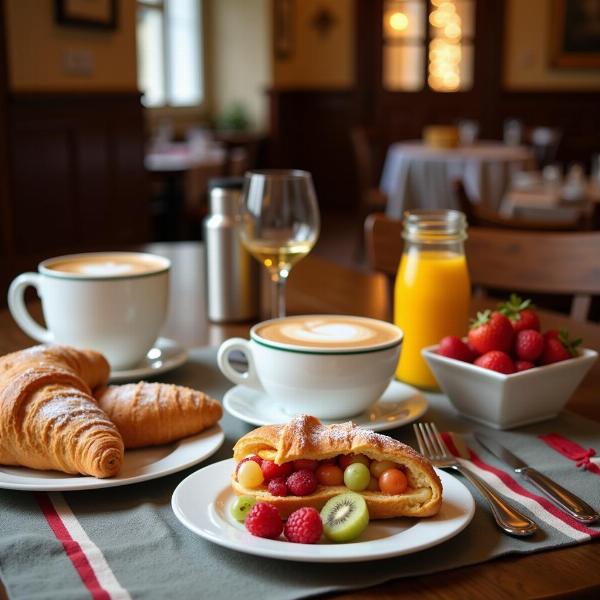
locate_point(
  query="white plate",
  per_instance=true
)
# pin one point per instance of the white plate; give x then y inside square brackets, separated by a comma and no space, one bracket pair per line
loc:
[399,405]
[139,465]
[164,356]
[201,502]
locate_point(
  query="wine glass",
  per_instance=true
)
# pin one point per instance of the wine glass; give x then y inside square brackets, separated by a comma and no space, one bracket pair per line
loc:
[280,224]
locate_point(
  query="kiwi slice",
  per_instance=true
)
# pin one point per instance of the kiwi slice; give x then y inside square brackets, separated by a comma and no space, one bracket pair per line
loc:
[344,517]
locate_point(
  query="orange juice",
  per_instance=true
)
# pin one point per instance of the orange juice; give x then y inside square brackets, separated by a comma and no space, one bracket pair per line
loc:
[431,300]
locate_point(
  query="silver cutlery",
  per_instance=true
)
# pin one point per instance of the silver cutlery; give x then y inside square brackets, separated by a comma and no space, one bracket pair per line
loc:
[507,517]
[565,500]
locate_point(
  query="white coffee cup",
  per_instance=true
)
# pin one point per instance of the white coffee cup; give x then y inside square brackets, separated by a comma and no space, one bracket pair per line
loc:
[113,302]
[329,366]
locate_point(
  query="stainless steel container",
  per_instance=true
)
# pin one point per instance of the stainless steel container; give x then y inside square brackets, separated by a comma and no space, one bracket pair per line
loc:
[232,274]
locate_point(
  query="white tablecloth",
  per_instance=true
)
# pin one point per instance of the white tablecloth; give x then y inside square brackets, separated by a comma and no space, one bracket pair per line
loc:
[417,176]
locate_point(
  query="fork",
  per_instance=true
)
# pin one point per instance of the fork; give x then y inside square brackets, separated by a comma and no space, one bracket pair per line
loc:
[507,517]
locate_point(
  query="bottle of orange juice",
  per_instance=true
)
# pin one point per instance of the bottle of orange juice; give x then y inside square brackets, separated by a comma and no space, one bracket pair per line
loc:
[432,291]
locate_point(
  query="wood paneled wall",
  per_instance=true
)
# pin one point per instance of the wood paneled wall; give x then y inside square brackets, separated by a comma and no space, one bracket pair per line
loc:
[310,129]
[76,178]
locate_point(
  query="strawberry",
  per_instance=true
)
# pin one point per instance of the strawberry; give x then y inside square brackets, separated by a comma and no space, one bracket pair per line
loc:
[491,331]
[559,348]
[496,361]
[551,334]
[523,365]
[453,347]
[521,313]
[529,345]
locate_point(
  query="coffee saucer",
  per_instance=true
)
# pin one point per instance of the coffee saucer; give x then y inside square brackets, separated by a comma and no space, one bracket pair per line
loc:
[399,405]
[164,356]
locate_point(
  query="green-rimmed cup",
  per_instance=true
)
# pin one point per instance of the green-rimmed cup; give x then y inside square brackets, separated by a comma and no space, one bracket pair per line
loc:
[112,302]
[329,366]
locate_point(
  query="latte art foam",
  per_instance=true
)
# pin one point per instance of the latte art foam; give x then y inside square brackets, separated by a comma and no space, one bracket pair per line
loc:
[107,265]
[107,268]
[326,332]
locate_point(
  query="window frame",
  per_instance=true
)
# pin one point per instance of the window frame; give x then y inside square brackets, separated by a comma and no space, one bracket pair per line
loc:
[424,43]
[169,110]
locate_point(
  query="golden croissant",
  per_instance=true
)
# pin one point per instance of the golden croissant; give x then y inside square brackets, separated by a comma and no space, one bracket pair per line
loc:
[304,437]
[149,414]
[48,417]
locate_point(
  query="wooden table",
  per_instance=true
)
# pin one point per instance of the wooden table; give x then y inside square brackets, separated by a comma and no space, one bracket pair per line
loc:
[319,286]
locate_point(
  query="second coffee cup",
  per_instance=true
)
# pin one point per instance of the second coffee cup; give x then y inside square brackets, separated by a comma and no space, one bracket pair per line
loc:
[329,366]
[113,302]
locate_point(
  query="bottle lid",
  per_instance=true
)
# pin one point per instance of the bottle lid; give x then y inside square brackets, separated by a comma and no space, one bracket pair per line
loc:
[226,183]
[225,195]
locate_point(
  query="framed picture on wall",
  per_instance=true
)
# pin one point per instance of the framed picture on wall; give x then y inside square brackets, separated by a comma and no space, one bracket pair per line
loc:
[575,29]
[97,14]
[283,28]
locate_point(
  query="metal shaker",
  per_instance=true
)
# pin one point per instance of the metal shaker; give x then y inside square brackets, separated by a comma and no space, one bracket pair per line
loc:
[232,274]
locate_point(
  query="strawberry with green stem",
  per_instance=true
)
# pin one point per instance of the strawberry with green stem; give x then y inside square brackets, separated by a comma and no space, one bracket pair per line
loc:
[559,348]
[490,331]
[521,313]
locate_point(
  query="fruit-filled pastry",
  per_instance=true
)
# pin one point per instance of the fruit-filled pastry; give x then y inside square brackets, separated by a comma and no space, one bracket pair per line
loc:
[305,463]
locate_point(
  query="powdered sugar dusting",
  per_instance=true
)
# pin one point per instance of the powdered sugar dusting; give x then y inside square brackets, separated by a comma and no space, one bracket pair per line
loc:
[305,434]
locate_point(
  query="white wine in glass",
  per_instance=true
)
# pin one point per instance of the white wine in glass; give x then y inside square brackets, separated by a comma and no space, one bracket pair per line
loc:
[280,224]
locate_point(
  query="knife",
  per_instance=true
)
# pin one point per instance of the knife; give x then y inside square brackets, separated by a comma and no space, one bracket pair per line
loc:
[564,499]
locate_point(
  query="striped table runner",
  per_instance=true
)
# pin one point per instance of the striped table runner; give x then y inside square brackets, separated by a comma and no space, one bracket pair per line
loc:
[126,543]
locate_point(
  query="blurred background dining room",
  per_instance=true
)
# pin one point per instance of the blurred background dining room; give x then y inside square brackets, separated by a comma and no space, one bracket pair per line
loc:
[115,114]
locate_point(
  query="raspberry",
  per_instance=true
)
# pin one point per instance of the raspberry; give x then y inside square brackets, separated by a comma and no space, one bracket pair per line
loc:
[277,487]
[264,521]
[302,483]
[272,471]
[256,459]
[304,526]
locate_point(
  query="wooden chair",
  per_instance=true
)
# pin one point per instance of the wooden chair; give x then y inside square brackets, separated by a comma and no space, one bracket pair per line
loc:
[481,216]
[368,154]
[509,260]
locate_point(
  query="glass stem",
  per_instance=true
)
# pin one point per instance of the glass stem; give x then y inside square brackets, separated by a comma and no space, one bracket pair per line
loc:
[277,295]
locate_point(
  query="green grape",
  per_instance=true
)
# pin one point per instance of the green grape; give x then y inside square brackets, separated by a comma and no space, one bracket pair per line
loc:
[357,476]
[241,507]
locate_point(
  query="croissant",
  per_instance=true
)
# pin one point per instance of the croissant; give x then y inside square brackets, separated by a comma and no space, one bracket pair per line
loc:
[48,418]
[149,414]
[304,437]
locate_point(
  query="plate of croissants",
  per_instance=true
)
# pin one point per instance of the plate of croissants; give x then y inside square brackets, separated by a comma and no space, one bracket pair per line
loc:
[63,428]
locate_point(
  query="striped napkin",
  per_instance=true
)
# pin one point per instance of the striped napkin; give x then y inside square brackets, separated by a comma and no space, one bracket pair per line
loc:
[126,542]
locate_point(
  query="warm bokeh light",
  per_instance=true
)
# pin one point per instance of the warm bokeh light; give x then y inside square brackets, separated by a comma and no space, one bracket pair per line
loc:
[444,50]
[398,21]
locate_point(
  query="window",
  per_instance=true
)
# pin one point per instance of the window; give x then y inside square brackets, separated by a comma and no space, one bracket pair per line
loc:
[428,44]
[169,35]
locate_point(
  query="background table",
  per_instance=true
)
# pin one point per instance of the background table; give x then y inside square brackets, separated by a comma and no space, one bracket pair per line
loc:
[554,574]
[181,175]
[418,176]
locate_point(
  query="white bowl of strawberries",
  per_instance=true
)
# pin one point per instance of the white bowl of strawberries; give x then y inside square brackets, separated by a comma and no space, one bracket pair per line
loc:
[507,373]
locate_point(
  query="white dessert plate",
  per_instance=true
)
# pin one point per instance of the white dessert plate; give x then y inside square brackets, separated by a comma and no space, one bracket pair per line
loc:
[399,405]
[166,355]
[202,501]
[139,465]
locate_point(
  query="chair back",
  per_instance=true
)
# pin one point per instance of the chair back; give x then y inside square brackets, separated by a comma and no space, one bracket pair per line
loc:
[509,260]
[366,156]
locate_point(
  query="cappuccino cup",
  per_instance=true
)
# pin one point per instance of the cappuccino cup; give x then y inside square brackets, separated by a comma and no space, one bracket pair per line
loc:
[329,366]
[112,302]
